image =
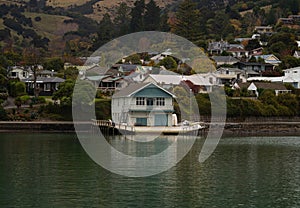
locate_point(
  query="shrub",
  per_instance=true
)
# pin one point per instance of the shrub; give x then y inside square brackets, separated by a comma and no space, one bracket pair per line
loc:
[41,100]
[103,109]
[25,99]
[3,114]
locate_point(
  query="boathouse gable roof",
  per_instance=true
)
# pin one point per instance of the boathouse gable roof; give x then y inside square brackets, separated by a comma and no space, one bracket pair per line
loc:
[143,90]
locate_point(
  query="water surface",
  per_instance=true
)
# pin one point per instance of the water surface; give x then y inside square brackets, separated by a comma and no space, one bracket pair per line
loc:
[52,170]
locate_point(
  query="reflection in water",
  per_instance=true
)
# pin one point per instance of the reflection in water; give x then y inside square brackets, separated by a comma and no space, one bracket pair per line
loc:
[52,170]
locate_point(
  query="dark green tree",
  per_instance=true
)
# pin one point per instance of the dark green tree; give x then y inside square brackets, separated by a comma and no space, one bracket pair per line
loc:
[122,19]
[3,114]
[106,30]
[252,44]
[64,92]
[187,21]
[289,62]
[168,62]
[283,43]
[55,64]
[137,16]
[152,16]
[164,26]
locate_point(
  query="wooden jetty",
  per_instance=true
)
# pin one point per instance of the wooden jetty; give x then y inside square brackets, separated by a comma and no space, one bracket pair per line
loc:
[108,127]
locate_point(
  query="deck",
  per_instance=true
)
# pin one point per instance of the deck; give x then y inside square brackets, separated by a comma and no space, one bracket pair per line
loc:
[124,128]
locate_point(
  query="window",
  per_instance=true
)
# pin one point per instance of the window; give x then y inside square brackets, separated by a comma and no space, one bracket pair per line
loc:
[47,87]
[160,101]
[150,101]
[14,74]
[140,101]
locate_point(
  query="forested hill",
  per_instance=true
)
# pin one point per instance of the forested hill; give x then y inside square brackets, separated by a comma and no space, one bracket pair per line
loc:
[78,28]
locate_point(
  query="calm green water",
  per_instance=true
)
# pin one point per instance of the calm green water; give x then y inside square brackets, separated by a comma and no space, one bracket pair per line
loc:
[52,170]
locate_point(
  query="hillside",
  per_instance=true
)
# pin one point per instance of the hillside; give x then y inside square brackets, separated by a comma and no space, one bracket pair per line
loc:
[65,3]
[96,9]
[69,26]
[54,27]
[38,26]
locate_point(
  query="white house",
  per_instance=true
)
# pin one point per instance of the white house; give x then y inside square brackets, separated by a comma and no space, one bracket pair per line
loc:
[291,76]
[167,81]
[279,88]
[19,72]
[157,58]
[238,52]
[143,104]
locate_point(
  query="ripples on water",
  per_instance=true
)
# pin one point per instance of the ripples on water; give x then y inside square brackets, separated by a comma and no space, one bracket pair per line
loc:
[52,170]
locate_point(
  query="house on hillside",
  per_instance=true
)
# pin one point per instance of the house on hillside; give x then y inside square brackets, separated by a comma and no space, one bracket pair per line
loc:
[238,52]
[19,72]
[224,60]
[230,75]
[278,88]
[203,82]
[46,73]
[143,104]
[107,83]
[218,47]
[292,77]
[297,54]
[165,81]
[255,66]
[269,59]
[157,58]
[127,69]
[256,51]
[46,85]
[267,30]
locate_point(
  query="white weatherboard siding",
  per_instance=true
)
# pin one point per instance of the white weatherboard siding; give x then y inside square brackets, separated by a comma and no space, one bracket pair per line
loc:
[143,104]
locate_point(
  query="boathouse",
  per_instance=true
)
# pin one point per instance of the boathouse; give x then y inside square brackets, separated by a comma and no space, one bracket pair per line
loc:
[143,104]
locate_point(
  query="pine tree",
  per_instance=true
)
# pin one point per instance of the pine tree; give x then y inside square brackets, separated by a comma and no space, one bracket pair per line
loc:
[152,16]
[106,29]
[122,19]
[187,21]
[137,18]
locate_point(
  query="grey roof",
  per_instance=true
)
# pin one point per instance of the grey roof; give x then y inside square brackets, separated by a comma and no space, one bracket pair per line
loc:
[270,85]
[127,91]
[224,59]
[135,87]
[97,69]
[96,78]
[250,71]
[45,72]
[128,67]
[45,80]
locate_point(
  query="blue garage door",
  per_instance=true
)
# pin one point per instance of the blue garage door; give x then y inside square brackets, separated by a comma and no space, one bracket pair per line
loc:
[161,120]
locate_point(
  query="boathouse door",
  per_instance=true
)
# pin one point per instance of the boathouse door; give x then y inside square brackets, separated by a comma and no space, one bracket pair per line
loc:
[161,120]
